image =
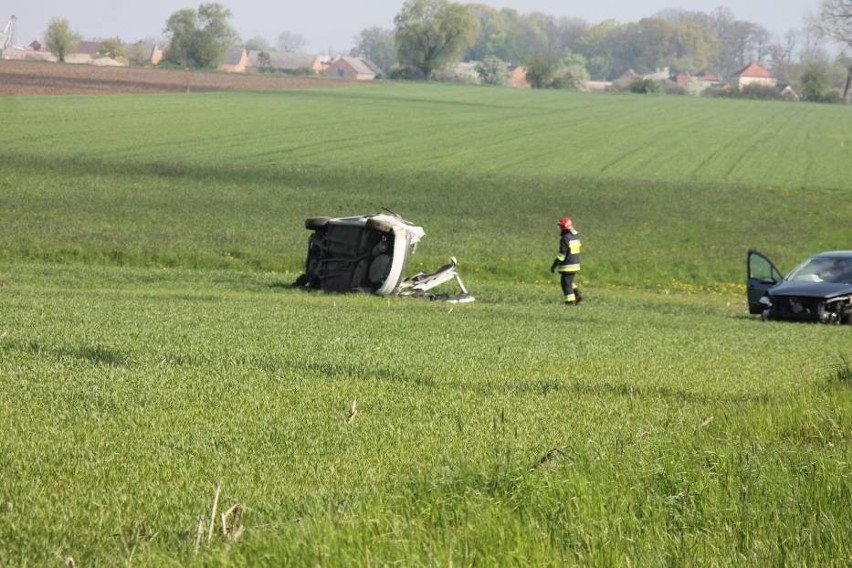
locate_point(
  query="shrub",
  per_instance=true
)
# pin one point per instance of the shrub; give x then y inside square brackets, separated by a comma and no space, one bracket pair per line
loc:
[407,74]
[454,75]
[672,88]
[300,72]
[761,92]
[646,86]
[828,97]
[573,76]
[841,372]
[718,92]
[815,83]
[492,71]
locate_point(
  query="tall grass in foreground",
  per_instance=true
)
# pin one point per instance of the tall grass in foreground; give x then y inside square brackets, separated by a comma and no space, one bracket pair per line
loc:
[667,430]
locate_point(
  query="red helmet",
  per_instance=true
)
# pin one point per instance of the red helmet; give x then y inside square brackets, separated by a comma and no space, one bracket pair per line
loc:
[565,223]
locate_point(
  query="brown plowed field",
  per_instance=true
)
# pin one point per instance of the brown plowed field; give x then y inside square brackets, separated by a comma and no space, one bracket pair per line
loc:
[44,78]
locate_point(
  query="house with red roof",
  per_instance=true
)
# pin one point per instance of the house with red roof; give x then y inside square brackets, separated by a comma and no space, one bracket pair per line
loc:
[754,74]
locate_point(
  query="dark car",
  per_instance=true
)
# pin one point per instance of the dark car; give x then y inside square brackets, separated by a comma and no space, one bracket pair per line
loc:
[818,290]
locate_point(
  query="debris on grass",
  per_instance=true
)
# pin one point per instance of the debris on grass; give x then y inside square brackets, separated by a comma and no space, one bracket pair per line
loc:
[550,456]
[353,411]
[231,523]
[705,423]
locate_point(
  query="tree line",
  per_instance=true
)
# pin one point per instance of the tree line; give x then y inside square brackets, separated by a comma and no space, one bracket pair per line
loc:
[431,35]
[565,51]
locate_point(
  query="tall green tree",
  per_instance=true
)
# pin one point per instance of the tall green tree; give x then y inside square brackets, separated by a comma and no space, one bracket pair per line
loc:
[377,45]
[815,83]
[181,29]
[199,38]
[429,34]
[112,47]
[654,43]
[524,37]
[695,47]
[493,31]
[216,36]
[541,70]
[561,34]
[646,45]
[59,39]
[835,21]
[598,45]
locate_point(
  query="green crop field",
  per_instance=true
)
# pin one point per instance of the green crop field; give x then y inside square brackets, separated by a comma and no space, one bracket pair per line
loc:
[167,399]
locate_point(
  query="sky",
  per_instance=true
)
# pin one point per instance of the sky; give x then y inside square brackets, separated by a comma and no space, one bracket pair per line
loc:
[329,26]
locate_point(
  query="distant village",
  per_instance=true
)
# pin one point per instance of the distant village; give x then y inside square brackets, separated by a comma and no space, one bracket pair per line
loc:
[239,60]
[353,68]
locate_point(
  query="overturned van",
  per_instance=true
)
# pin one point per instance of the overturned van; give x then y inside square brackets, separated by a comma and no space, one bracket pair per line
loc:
[369,253]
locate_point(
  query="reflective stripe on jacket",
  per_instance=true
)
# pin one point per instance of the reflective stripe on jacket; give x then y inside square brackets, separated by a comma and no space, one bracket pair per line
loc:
[568,259]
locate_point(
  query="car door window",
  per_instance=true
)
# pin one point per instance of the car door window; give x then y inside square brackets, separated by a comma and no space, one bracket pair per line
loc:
[760,268]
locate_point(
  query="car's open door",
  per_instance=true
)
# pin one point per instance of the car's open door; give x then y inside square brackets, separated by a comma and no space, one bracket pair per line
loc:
[762,275]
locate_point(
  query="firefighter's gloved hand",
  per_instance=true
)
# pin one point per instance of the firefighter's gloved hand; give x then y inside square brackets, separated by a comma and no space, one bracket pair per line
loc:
[553,266]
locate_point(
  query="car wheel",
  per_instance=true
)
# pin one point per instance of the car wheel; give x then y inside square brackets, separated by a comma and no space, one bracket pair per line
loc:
[359,273]
[379,225]
[314,223]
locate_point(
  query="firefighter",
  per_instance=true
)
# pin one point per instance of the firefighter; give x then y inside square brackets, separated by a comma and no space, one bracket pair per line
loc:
[567,262]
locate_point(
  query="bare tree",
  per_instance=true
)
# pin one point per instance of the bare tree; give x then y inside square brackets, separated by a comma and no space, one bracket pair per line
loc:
[257,43]
[835,21]
[292,42]
[783,52]
[812,41]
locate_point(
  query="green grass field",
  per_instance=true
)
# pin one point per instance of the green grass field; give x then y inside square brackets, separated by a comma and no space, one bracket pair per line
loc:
[152,351]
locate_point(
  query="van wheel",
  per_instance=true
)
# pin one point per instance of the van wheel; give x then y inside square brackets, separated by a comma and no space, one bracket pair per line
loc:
[314,223]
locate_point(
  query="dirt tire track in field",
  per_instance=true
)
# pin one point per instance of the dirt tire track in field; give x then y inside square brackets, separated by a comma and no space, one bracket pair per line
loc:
[44,78]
